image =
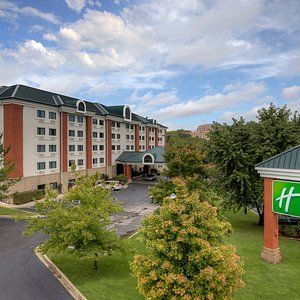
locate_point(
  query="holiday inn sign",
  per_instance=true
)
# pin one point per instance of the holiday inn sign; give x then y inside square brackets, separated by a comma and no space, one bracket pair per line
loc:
[286,198]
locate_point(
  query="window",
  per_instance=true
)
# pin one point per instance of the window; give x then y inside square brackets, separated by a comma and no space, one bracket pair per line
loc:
[101,160]
[95,147]
[140,138]
[131,126]
[143,147]
[52,115]
[101,122]
[118,147]
[113,136]
[127,136]
[71,118]
[41,166]
[95,135]
[80,133]
[95,121]
[95,161]
[71,148]
[80,162]
[148,159]
[127,147]
[118,125]
[80,119]
[71,132]
[40,113]
[132,147]
[118,136]
[71,162]
[113,147]
[52,164]
[52,148]
[41,187]
[127,126]
[132,137]
[113,124]
[40,148]
[52,131]
[143,138]
[80,148]
[143,128]
[54,185]
[80,106]
[41,131]
[127,113]
[101,147]
[101,135]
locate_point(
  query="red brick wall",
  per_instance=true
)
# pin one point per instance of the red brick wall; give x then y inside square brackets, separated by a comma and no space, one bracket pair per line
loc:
[156,137]
[147,139]
[127,171]
[88,139]
[137,137]
[64,142]
[108,143]
[13,136]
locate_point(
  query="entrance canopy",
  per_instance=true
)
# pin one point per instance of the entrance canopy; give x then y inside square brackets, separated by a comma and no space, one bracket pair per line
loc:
[151,157]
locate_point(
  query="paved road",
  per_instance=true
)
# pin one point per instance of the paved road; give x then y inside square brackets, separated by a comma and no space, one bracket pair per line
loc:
[22,275]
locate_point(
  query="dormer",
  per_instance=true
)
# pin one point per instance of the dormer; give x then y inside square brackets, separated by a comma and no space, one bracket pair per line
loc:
[127,113]
[81,107]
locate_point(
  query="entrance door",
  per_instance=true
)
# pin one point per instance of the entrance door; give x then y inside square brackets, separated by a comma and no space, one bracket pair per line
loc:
[120,169]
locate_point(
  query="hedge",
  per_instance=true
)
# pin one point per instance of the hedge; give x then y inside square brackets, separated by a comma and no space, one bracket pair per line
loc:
[24,197]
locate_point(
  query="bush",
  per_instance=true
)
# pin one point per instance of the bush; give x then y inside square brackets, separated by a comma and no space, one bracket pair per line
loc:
[104,177]
[290,230]
[185,256]
[24,197]
[122,178]
[161,190]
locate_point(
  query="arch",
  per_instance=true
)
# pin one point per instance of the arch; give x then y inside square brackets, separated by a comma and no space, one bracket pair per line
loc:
[127,112]
[148,159]
[81,107]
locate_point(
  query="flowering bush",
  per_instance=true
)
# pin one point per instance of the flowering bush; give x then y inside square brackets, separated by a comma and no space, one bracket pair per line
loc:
[185,256]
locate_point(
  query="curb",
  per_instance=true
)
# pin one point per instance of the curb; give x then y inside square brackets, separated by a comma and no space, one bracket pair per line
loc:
[69,286]
[6,216]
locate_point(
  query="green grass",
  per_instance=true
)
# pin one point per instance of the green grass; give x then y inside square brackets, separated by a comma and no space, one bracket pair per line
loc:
[263,280]
[10,211]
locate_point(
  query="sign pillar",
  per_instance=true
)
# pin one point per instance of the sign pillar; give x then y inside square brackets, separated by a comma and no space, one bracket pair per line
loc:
[270,251]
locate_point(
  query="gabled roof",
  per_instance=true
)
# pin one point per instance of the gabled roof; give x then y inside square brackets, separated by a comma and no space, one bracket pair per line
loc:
[289,159]
[137,157]
[115,110]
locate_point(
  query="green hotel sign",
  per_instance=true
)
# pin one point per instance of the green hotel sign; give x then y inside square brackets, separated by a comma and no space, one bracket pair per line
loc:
[286,198]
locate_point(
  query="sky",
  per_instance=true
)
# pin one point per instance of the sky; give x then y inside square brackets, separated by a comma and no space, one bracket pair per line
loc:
[183,63]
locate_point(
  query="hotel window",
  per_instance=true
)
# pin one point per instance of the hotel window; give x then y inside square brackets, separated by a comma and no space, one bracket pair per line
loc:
[118,125]
[118,147]
[127,136]
[143,147]
[113,136]
[95,135]
[71,118]
[143,138]
[101,147]
[95,121]
[41,166]
[101,160]
[140,138]
[80,148]
[131,126]
[40,148]
[127,126]
[80,119]
[95,147]
[52,131]
[52,164]
[52,115]
[71,148]
[54,185]
[80,133]
[101,122]
[71,162]
[41,131]
[80,162]
[113,147]
[71,132]
[140,147]
[52,148]
[95,161]
[127,147]
[101,135]
[40,113]
[132,147]
[132,137]
[81,106]
[118,136]
[113,124]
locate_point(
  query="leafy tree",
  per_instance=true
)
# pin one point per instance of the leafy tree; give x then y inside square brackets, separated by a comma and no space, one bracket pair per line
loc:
[185,256]
[161,190]
[235,149]
[80,220]
[185,157]
[6,167]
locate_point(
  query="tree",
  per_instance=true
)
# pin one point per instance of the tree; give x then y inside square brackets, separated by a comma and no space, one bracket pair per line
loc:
[161,190]
[236,149]
[185,255]
[6,167]
[79,220]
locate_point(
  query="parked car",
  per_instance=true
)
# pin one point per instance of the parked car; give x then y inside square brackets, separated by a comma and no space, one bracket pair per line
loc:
[150,177]
[114,185]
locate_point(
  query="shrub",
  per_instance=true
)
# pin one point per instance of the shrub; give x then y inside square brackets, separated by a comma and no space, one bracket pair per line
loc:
[161,190]
[24,197]
[122,178]
[185,256]
[104,177]
[290,230]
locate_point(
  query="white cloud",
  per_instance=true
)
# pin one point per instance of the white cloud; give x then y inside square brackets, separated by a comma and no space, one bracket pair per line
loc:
[291,93]
[76,5]
[210,103]
[49,37]
[69,34]
[154,100]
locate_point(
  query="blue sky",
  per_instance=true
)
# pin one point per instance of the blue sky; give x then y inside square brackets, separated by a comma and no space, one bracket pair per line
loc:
[184,62]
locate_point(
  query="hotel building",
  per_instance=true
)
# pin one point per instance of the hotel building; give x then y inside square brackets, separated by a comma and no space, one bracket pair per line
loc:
[48,132]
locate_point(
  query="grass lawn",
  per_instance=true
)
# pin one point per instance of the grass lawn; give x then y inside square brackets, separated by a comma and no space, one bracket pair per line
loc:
[10,211]
[263,281]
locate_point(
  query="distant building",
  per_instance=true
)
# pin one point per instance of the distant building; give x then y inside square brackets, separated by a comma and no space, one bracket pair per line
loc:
[202,131]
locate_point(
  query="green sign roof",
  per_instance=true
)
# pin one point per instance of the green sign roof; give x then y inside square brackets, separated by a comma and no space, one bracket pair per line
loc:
[137,157]
[289,159]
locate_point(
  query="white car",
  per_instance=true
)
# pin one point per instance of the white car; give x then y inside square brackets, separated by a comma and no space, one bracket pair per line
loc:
[114,185]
